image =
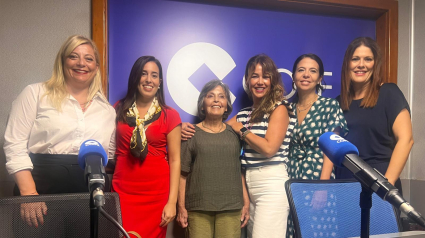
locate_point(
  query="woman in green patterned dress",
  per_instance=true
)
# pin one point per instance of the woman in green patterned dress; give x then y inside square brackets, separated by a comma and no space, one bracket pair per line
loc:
[315,115]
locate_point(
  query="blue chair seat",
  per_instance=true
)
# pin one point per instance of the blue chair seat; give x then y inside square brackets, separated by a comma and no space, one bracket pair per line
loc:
[331,208]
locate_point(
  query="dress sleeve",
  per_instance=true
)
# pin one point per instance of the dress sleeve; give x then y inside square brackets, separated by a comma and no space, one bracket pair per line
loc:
[18,130]
[395,102]
[186,155]
[336,118]
[173,119]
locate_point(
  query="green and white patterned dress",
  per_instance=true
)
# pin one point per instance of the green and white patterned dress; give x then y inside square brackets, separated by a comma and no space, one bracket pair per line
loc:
[305,157]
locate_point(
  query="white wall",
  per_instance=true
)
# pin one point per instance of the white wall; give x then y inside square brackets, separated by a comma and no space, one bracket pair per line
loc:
[411,69]
[31,33]
[410,79]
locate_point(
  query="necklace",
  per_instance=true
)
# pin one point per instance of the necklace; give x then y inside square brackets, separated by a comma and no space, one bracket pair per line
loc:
[85,105]
[212,129]
[307,106]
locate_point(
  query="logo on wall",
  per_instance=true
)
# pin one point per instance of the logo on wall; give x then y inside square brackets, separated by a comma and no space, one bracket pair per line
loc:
[186,62]
[192,57]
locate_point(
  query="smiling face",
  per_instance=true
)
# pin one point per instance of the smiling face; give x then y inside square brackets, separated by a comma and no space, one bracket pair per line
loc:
[80,66]
[361,65]
[215,103]
[259,84]
[307,75]
[149,82]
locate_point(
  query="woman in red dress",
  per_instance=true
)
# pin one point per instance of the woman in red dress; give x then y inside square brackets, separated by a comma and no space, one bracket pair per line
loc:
[147,167]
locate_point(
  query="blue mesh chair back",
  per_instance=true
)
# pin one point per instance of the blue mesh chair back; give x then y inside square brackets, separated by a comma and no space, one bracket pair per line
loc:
[332,209]
[68,216]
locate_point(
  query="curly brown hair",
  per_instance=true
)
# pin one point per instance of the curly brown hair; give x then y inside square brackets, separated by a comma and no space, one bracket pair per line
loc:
[276,92]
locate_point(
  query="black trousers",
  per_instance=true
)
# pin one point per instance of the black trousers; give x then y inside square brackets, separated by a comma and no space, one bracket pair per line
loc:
[55,174]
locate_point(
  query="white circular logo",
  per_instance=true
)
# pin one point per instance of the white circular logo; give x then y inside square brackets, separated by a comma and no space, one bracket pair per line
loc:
[91,142]
[338,138]
[186,62]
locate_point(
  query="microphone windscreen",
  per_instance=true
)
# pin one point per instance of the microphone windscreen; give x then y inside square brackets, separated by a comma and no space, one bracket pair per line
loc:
[91,147]
[336,147]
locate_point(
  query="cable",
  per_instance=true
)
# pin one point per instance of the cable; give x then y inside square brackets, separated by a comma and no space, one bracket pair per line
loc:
[110,218]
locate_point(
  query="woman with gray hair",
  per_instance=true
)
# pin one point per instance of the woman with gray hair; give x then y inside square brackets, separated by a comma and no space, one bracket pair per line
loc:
[213,199]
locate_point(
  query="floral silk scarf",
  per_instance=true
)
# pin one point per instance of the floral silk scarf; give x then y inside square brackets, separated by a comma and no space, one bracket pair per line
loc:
[138,142]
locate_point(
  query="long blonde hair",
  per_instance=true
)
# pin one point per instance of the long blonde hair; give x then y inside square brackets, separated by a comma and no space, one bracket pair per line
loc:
[56,90]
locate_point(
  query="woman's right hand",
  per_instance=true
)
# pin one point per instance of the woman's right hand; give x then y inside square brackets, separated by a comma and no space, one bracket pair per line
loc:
[32,213]
[182,217]
[188,130]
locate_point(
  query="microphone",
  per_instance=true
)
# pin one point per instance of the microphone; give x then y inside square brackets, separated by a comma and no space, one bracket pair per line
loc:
[344,154]
[93,159]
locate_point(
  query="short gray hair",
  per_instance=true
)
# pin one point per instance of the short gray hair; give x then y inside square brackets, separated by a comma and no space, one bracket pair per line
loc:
[208,87]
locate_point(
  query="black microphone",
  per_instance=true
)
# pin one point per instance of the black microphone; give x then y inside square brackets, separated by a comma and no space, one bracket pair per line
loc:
[93,159]
[344,154]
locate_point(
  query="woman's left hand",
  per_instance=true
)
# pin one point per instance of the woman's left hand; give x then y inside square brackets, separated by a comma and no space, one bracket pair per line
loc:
[245,215]
[168,214]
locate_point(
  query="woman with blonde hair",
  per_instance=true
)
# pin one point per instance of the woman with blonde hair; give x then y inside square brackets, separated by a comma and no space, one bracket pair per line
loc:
[50,120]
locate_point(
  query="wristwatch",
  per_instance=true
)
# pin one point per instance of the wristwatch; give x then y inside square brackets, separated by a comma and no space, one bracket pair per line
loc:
[243,132]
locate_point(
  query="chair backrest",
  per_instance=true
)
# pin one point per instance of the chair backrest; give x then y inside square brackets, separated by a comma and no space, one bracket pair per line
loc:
[68,215]
[331,208]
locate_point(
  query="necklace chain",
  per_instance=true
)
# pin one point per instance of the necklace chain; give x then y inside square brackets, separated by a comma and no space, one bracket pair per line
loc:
[307,106]
[212,129]
[85,105]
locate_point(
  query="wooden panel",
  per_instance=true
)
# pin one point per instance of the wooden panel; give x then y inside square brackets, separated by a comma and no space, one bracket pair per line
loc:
[385,12]
[100,37]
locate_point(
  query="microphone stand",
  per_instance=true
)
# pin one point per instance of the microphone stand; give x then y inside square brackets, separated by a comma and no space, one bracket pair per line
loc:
[97,200]
[94,217]
[95,177]
[365,205]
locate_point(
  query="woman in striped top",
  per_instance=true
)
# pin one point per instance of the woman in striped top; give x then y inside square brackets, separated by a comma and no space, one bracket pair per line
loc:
[266,129]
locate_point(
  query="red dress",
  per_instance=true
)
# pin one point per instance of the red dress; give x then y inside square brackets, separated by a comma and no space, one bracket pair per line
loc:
[143,188]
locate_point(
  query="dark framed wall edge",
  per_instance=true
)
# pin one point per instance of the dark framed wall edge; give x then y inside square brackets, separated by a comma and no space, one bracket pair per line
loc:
[384,12]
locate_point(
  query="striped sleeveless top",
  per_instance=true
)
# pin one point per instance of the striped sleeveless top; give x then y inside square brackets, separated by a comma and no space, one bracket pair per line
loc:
[251,158]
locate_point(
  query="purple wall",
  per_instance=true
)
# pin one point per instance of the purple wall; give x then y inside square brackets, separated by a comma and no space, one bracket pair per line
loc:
[198,42]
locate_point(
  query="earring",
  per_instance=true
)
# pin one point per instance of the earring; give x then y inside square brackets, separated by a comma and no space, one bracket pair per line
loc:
[159,87]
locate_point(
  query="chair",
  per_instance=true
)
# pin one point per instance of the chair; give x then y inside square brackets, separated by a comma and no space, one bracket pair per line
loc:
[68,215]
[339,214]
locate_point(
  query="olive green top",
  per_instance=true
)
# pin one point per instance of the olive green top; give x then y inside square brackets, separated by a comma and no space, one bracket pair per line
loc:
[214,171]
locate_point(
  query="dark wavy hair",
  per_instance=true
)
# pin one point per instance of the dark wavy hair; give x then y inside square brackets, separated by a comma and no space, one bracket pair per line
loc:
[276,91]
[319,87]
[132,90]
[375,81]
[208,87]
